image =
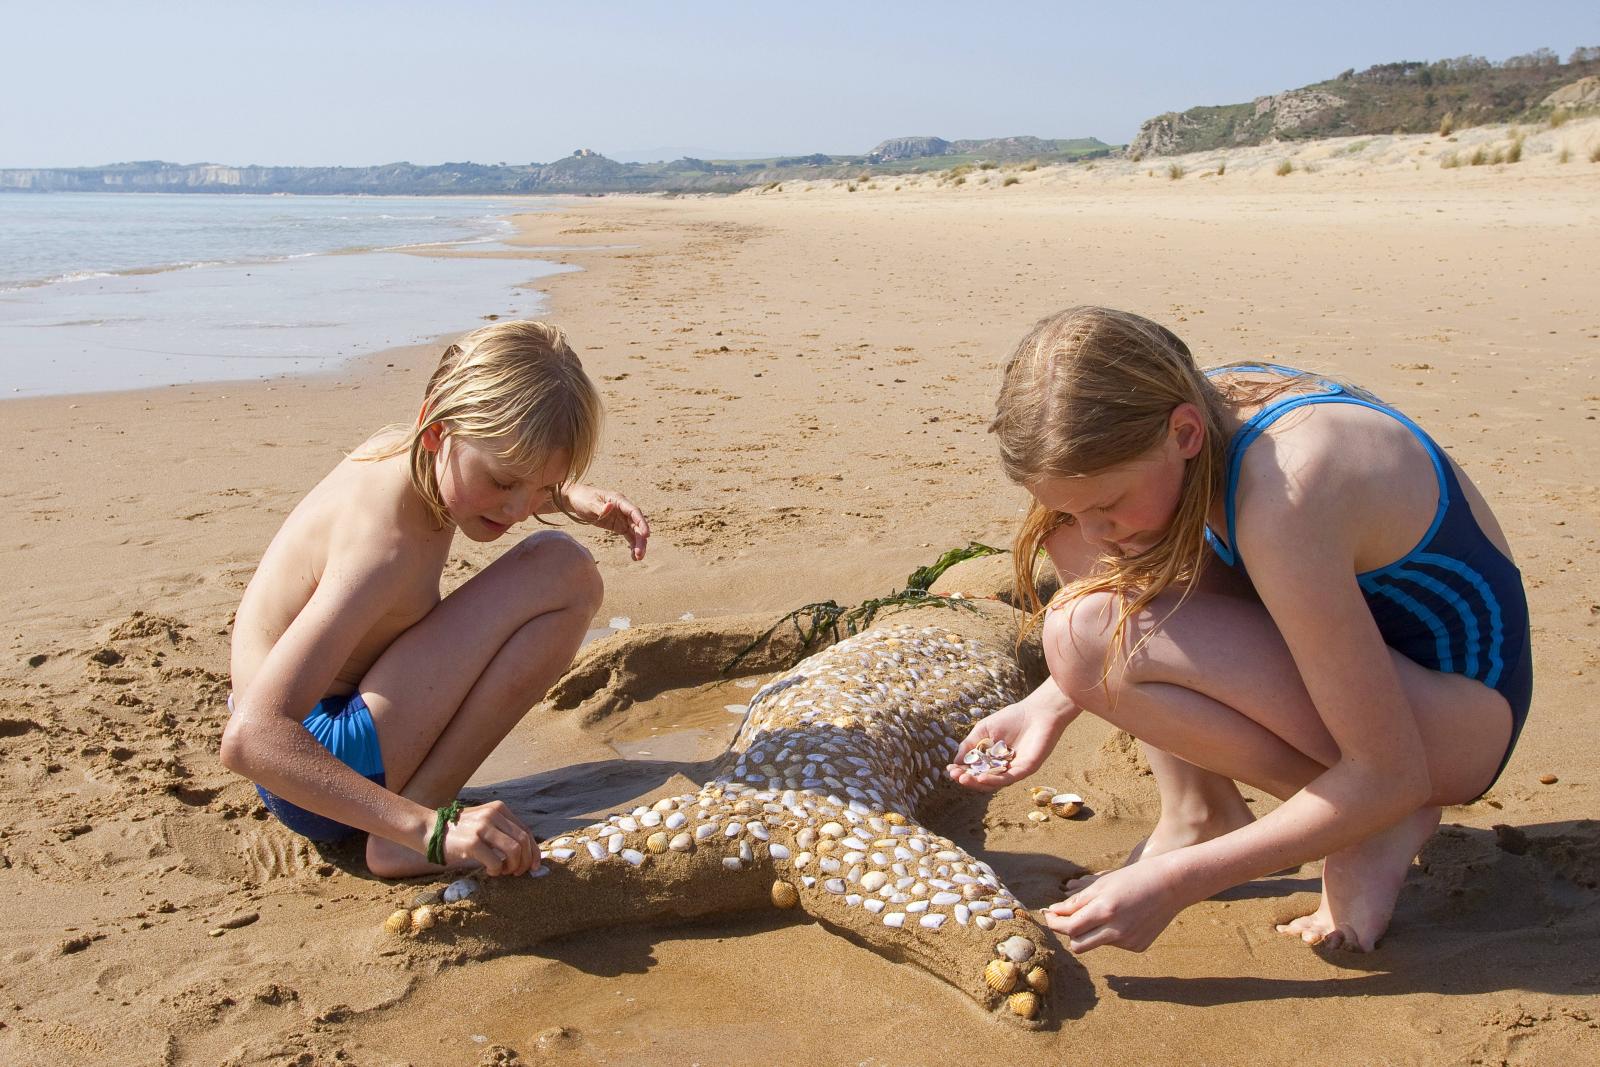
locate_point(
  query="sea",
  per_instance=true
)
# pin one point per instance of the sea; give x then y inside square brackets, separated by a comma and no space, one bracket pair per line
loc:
[110,291]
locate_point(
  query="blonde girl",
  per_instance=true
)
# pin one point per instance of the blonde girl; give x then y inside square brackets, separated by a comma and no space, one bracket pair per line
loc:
[362,700]
[1370,666]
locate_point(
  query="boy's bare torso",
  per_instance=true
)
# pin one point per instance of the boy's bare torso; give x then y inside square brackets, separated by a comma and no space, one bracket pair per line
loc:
[360,506]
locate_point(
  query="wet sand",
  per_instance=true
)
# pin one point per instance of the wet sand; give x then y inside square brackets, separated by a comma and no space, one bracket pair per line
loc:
[798,384]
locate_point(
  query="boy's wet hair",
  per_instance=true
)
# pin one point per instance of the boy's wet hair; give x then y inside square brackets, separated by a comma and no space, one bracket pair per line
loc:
[516,389]
[1086,390]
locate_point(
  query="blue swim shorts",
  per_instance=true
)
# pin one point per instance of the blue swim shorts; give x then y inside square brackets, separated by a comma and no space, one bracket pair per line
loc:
[342,725]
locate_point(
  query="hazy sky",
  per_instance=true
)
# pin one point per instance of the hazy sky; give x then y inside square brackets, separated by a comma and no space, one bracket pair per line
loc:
[292,82]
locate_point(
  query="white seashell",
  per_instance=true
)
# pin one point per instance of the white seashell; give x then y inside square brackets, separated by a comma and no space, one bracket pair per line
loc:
[561,842]
[917,906]
[873,904]
[1002,913]
[734,829]
[806,838]
[758,831]
[634,857]
[831,829]
[650,818]
[681,842]
[614,843]
[704,830]
[807,881]
[853,845]
[984,922]
[830,865]
[597,851]
[664,804]
[628,824]
[676,820]
[1016,948]
[963,913]
[943,899]
[560,855]
[894,918]
[733,863]
[873,881]
[853,899]
[933,920]
[746,853]
[460,889]
[779,852]
[834,885]
[802,859]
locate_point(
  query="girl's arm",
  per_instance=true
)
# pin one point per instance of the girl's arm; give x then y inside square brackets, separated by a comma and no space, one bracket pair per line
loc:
[608,510]
[264,739]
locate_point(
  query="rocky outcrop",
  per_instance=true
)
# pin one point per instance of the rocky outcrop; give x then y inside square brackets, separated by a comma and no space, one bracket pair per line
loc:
[1288,112]
[1581,94]
[909,148]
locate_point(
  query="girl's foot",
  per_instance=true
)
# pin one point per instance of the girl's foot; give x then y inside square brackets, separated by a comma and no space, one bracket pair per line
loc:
[1174,831]
[1360,885]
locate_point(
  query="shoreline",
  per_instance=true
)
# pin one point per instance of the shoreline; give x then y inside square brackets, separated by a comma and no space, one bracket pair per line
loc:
[797,389]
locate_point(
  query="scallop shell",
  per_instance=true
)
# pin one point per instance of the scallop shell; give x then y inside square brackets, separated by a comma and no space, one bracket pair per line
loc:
[1037,816]
[785,895]
[1041,795]
[656,842]
[398,922]
[1000,976]
[423,918]
[1066,805]
[1025,1003]
[1039,980]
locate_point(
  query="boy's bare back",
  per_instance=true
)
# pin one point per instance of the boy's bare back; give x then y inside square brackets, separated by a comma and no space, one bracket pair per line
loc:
[361,510]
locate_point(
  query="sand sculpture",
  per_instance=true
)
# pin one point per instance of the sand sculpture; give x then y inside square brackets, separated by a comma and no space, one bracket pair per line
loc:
[815,807]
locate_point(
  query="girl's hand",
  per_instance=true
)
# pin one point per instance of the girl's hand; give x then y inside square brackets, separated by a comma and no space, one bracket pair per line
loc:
[1032,732]
[1127,908]
[610,511]
[489,836]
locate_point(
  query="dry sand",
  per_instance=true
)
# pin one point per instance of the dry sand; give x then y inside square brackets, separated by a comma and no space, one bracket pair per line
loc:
[798,383]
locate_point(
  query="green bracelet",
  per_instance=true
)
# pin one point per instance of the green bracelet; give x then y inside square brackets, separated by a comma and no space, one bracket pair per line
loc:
[442,818]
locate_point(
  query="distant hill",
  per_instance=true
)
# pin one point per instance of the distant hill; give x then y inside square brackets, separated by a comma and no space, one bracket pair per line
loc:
[1410,96]
[584,171]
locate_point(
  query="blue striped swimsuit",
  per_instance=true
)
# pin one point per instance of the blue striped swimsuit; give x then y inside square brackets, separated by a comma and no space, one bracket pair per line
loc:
[1454,603]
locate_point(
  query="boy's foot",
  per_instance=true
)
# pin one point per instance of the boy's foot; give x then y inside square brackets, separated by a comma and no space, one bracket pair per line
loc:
[1360,885]
[1172,833]
[385,859]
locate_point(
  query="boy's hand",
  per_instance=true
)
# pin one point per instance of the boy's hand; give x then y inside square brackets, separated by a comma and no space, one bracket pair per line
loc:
[610,511]
[489,836]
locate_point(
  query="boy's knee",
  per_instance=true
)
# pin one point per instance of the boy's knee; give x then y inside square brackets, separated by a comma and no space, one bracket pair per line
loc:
[561,561]
[1077,637]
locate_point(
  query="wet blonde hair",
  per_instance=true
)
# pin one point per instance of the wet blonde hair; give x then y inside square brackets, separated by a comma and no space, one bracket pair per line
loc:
[1088,389]
[515,387]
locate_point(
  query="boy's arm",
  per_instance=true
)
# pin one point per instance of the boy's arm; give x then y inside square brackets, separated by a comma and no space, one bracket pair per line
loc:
[264,739]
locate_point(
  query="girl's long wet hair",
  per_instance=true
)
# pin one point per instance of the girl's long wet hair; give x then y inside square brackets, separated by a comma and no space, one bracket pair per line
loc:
[515,388]
[1086,390]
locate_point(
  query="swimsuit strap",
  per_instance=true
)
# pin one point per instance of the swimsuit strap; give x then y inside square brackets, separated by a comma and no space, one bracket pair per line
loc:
[1333,393]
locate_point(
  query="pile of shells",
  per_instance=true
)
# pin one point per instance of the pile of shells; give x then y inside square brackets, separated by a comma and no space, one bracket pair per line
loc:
[1062,805]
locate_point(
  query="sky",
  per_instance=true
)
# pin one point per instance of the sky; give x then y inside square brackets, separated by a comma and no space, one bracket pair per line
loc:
[88,82]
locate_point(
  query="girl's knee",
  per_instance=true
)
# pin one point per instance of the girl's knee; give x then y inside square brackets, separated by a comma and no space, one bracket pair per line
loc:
[561,562]
[1077,637]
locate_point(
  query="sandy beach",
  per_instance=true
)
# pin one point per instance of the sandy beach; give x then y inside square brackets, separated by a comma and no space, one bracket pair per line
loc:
[798,382]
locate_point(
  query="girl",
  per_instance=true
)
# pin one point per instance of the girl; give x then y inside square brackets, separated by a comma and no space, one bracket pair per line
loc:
[1370,666]
[364,700]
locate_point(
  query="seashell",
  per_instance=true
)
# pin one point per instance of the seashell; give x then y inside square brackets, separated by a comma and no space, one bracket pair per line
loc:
[650,818]
[398,922]
[676,820]
[831,829]
[704,831]
[733,863]
[427,896]
[940,900]
[656,842]
[873,904]
[895,918]
[984,922]
[664,804]
[1066,805]
[933,920]
[806,838]
[597,851]
[894,818]
[539,871]
[1016,948]
[834,885]
[873,881]
[734,829]
[628,824]
[746,853]
[681,842]
[1003,913]
[460,889]
[1037,816]
[1041,795]
[423,918]
[1039,980]
[785,895]
[1000,975]
[634,857]
[1024,1003]
[560,855]
[614,843]
[827,845]
[779,852]
[758,831]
